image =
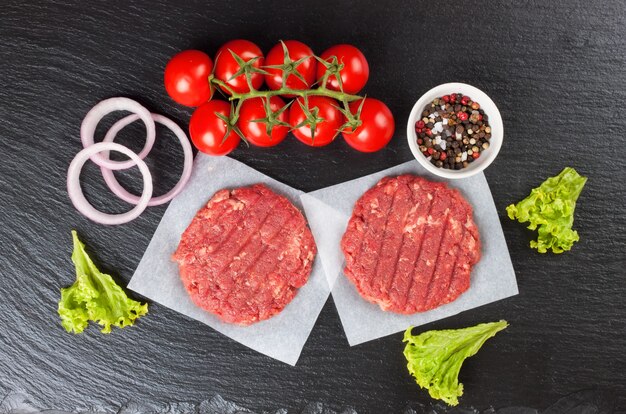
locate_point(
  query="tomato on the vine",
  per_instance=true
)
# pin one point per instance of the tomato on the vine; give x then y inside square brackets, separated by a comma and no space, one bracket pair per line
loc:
[187,77]
[256,132]
[226,65]
[208,131]
[296,51]
[328,120]
[355,73]
[376,127]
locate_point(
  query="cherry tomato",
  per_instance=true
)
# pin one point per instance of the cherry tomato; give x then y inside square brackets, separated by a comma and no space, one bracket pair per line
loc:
[297,50]
[207,130]
[226,65]
[187,77]
[326,130]
[256,132]
[355,73]
[376,129]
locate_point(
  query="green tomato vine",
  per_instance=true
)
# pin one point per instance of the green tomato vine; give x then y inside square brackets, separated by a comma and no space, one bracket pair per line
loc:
[288,67]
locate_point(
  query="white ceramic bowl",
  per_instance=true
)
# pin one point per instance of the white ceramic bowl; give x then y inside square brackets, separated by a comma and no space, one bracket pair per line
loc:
[486,104]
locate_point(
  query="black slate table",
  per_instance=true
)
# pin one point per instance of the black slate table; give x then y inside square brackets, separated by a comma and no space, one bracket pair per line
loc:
[557,71]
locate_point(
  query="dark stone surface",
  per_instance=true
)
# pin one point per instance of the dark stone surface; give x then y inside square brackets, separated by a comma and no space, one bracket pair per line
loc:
[557,71]
[590,401]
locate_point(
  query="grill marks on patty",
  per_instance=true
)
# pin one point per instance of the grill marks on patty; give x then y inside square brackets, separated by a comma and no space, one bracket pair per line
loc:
[436,223]
[410,244]
[245,254]
[250,281]
[392,238]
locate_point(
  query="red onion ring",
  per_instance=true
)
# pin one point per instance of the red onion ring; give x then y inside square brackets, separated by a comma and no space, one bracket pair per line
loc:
[120,191]
[78,198]
[93,117]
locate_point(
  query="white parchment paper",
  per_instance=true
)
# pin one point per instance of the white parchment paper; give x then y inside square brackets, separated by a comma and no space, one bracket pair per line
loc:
[328,211]
[281,337]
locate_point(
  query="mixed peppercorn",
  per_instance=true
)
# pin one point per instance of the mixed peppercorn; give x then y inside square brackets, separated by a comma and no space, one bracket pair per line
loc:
[453,131]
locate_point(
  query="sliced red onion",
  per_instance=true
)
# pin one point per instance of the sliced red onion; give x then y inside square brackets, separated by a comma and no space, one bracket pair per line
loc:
[120,191]
[78,198]
[93,117]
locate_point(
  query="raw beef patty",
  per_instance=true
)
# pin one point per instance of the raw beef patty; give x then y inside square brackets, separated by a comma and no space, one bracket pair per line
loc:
[245,254]
[410,244]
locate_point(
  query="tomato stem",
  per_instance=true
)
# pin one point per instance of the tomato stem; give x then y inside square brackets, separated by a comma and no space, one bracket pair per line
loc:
[321,91]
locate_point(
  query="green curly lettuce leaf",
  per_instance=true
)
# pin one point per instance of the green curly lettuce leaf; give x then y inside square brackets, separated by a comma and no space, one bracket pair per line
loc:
[95,297]
[550,209]
[435,357]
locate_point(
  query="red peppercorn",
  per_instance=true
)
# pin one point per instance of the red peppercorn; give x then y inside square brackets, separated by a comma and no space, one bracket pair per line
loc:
[420,124]
[429,132]
[479,117]
[430,151]
[475,155]
[420,141]
[462,115]
[465,100]
[443,156]
[452,98]
[446,98]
